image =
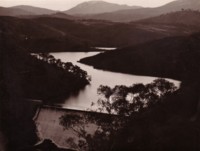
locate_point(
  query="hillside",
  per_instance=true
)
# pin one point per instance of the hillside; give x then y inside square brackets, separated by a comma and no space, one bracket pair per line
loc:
[109,34]
[24,10]
[143,13]
[184,18]
[172,57]
[35,76]
[34,10]
[24,81]
[13,12]
[51,33]
[63,16]
[40,37]
[100,33]
[95,7]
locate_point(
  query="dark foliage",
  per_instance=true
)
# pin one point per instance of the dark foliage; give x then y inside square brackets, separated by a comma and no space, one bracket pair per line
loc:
[173,57]
[121,113]
[16,113]
[40,79]
[25,78]
[164,124]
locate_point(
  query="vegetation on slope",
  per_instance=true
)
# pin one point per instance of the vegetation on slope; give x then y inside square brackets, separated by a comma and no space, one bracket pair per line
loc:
[51,33]
[173,122]
[172,57]
[120,110]
[41,38]
[155,116]
[24,79]
[185,17]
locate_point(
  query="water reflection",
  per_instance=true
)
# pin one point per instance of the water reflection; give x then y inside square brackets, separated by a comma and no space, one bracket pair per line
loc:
[99,77]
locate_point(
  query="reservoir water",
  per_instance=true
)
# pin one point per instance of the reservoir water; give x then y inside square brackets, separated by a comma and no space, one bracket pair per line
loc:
[83,100]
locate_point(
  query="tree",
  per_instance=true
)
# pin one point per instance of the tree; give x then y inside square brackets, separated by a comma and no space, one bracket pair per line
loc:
[121,104]
[67,67]
[125,101]
[104,128]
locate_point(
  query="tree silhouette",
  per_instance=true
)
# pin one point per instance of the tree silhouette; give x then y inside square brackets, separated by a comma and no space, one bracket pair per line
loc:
[68,66]
[120,105]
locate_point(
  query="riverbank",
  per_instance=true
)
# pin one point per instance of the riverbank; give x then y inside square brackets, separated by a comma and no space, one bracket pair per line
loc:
[173,57]
[24,76]
[86,96]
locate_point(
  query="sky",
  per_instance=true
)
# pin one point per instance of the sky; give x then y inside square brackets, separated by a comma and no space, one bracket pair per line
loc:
[67,4]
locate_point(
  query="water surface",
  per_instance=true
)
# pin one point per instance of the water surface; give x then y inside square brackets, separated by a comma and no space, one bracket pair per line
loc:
[99,77]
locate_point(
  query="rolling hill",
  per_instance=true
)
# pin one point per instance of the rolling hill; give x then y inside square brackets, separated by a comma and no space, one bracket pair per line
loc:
[171,57]
[47,33]
[24,10]
[185,21]
[13,12]
[39,37]
[63,16]
[108,34]
[35,10]
[54,15]
[184,18]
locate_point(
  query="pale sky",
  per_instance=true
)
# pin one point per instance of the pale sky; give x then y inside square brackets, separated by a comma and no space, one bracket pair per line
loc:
[67,4]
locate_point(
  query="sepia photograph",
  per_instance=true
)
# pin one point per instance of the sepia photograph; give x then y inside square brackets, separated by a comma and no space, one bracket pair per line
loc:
[99,75]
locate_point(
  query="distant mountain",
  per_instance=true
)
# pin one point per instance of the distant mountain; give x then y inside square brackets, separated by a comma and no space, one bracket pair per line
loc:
[22,10]
[143,13]
[35,10]
[96,7]
[13,12]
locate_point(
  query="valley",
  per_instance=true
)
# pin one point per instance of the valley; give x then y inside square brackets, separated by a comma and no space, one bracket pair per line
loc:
[99,76]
